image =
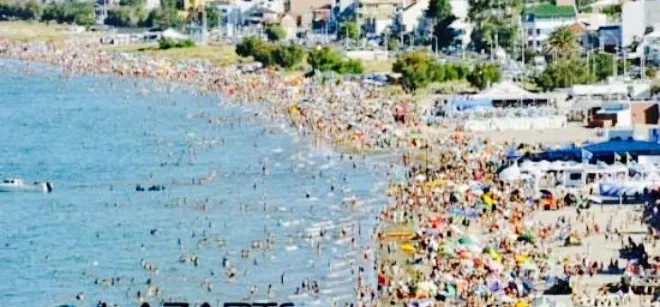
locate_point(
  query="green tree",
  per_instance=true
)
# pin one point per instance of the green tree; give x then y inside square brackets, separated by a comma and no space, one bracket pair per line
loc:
[213,15]
[288,56]
[264,54]
[10,9]
[125,16]
[392,44]
[325,59]
[444,33]
[414,69]
[603,65]
[495,22]
[561,43]
[70,12]
[348,29]
[248,45]
[564,73]
[437,72]
[33,10]
[133,3]
[438,9]
[440,12]
[352,66]
[275,33]
[167,16]
[613,12]
[483,75]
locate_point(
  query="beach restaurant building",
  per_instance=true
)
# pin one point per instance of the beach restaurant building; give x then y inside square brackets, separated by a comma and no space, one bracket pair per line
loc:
[505,94]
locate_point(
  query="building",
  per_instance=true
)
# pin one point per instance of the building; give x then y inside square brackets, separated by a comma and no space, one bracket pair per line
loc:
[651,13]
[289,24]
[610,37]
[375,16]
[633,22]
[541,20]
[462,26]
[624,114]
[410,16]
[241,12]
[304,11]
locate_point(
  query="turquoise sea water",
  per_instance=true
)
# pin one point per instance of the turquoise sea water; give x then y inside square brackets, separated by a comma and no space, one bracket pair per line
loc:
[95,138]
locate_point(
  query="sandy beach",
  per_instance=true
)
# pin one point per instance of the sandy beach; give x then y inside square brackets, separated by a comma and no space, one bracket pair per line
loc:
[452,233]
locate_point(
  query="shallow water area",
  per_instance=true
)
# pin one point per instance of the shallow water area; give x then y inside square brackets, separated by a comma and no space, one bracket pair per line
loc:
[229,179]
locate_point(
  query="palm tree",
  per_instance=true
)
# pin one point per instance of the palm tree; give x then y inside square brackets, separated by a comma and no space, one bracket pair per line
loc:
[562,42]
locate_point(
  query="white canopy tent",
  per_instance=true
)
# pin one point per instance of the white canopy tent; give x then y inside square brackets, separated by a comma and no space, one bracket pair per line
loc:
[507,90]
[174,34]
[511,173]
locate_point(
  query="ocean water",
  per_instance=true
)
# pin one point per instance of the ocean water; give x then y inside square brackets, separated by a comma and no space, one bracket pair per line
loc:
[97,137]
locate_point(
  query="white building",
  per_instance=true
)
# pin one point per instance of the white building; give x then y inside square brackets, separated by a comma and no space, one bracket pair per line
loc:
[411,15]
[541,20]
[633,21]
[462,26]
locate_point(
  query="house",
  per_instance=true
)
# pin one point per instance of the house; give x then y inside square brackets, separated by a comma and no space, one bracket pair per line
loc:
[541,20]
[240,12]
[288,23]
[633,22]
[462,25]
[374,16]
[260,15]
[610,37]
[651,13]
[410,16]
[303,11]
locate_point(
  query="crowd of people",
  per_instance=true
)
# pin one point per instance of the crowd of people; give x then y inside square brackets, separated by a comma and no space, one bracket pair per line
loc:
[453,232]
[457,233]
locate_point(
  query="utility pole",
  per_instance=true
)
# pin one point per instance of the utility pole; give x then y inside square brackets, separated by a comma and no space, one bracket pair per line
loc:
[624,62]
[614,58]
[641,62]
[588,69]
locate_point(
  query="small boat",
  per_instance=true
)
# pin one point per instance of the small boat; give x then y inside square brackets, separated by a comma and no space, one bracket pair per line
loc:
[17,185]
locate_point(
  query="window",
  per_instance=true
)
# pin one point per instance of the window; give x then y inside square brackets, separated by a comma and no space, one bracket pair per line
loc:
[530,32]
[575,176]
[538,31]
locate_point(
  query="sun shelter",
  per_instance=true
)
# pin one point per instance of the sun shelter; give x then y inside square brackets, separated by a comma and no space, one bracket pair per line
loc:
[508,94]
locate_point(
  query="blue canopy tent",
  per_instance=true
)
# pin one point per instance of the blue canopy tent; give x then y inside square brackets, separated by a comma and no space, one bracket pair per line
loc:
[461,104]
[603,151]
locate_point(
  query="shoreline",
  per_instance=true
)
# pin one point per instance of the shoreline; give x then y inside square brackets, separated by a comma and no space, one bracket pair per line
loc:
[275,111]
[354,119]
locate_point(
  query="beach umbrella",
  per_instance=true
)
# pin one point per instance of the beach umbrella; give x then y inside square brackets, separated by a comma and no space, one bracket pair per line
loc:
[450,290]
[522,303]
[511,173]
[408,248]
[447,251]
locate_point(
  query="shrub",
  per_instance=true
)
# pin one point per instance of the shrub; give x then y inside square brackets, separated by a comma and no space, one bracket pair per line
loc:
[414,68]
[30,10]
[125,16]
[484,75]
[247,46]
[325,59]
[70,12]
[288,56]
[352,66]
[349,30]
[275,33]
[167,43]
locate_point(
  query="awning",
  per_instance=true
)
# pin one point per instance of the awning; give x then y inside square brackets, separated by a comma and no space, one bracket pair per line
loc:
[469,104]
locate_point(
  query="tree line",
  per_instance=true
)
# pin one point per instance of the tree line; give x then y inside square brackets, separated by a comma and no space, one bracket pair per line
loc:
[290,55]
[418,69]
[129,13]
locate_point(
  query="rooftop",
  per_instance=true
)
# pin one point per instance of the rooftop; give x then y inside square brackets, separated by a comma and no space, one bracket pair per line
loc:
[547,10]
